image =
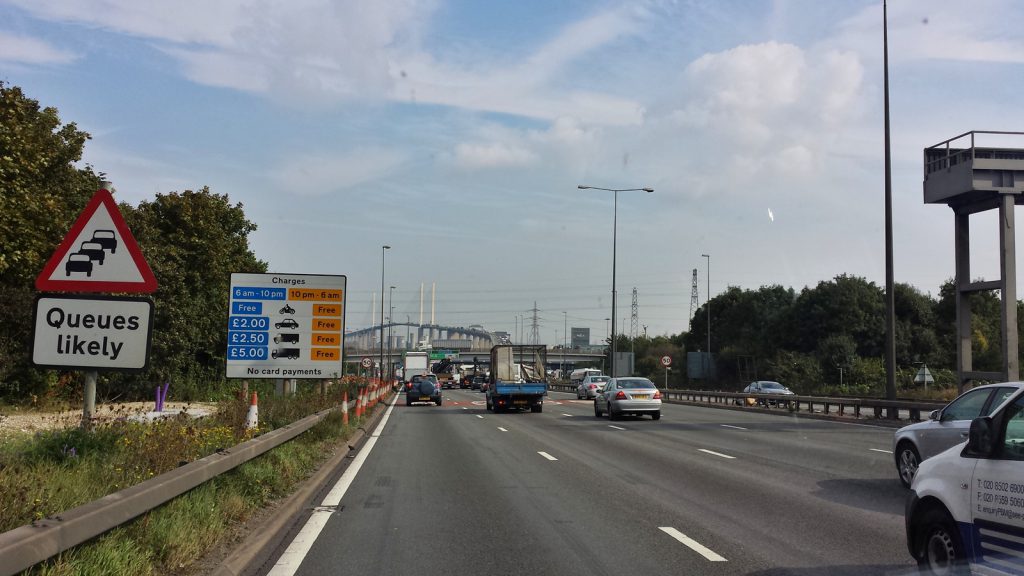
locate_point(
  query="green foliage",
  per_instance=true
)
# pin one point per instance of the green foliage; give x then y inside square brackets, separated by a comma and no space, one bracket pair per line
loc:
[43,192]
[193,241]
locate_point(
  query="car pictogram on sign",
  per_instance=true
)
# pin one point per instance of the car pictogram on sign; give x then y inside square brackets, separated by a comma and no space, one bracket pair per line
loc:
[78,263]
[107,239]
[94,250]
[286,323]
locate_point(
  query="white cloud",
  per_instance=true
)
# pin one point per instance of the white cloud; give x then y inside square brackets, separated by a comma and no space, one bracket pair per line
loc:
[322,174]
[492,155]
[27,50]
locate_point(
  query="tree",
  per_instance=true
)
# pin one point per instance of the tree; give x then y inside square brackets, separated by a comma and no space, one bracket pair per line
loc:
[193,241]
[43,192]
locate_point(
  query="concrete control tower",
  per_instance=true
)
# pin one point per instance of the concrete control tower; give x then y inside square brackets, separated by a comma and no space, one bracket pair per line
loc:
[970,179]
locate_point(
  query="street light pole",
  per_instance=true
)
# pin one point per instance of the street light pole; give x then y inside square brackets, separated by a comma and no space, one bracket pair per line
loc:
[615,225]
[708,297]
[565,340]
[383,250]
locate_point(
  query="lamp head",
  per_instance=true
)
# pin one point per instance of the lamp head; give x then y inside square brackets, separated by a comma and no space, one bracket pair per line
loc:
[648,190]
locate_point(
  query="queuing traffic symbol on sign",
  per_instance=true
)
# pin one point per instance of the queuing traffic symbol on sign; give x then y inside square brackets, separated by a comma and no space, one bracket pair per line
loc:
[666,361]
[99,254]
[92,332]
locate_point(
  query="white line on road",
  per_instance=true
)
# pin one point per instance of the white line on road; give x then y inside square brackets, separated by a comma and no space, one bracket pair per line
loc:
[616,427]
[502,429]
[296,552]
[464,408]
[548,456]
[692,544]
[713,453]
[566,415]
[733,427]
[882,451]
[479,416]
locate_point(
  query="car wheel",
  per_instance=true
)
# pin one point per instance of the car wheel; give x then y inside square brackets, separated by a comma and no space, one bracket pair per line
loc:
[611,412]
[438,402]
[656,415]
[907,461]
[408,402]
[488,404]
[597,411]
[537,408]
[939,549]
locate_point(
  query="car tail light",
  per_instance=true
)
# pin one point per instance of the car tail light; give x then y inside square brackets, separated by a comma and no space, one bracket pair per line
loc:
[621,395]
[592,386]
[408,385]
[657,394]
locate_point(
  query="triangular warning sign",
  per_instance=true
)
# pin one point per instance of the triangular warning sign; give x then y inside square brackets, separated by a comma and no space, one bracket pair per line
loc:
[99,254]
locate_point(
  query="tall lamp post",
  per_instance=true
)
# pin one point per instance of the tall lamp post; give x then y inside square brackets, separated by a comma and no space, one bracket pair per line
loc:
[708,374]
[615,224]
[383,251]
[565,341]
[391,321]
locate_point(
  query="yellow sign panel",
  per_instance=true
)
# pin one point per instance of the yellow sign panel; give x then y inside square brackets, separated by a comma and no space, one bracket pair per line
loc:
[326,309]
[318,354]
[326,339]
[314,294]
[326,325]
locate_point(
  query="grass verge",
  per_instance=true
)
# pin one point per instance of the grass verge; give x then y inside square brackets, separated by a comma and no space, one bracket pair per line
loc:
[50,472]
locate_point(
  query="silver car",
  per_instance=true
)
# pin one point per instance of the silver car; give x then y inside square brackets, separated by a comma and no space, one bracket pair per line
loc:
[590,387]
[947,427]
[637,396]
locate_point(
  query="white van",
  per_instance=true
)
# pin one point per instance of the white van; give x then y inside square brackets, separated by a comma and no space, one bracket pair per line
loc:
[579,374]
[965,512]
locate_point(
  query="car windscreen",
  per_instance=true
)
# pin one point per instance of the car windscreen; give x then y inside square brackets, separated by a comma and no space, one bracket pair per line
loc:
[635,383]
[599,378]
[772,386]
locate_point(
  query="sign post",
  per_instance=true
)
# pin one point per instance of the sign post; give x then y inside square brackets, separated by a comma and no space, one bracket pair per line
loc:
[666,361]
[98,254]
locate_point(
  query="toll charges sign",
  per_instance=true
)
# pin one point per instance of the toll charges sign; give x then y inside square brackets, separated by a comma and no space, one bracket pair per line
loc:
[286,326]
[92,332]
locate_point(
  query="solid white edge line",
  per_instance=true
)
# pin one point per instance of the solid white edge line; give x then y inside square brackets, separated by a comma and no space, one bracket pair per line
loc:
[692,544]
[502,429]
[293,556]
[616,427]
[713,453]
[882,451]
[548,456]
[733,427]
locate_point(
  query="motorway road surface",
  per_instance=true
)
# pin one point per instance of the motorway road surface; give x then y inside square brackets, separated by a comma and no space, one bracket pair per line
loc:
[458,490]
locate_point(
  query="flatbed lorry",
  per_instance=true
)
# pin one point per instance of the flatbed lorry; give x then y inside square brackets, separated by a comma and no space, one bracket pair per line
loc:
[518,379]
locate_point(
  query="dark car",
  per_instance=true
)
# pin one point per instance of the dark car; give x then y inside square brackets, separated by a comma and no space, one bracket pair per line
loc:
[94,250]
[766,387]
[477,382]
[286,323]
[78,263]
[105,238]
[422,388]
[290,353]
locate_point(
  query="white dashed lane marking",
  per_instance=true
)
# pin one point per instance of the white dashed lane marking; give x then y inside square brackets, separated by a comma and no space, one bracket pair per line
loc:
[479,416]
[548,456]
[692,544]
[882,451]
[733,427]
[616,427]
[502,429]
[719,454]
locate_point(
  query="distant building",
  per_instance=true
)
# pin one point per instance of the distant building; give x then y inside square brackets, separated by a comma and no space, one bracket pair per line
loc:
[580,337]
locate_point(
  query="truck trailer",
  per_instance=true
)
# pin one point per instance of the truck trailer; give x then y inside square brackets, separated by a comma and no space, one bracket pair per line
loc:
[518,378]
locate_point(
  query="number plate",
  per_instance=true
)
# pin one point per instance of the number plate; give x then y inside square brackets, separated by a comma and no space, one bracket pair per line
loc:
[520,402]
[641,396]
[424,398]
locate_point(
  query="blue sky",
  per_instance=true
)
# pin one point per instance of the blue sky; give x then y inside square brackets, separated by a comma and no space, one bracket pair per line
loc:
[457,132]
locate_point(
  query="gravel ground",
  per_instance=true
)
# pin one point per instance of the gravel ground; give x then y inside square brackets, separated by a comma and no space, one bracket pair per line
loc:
[14,422]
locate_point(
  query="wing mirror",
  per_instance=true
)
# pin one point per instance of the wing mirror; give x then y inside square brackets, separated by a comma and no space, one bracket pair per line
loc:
[980,440]
[934,415]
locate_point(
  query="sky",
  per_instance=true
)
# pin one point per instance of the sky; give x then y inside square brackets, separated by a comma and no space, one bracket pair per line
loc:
[457,132]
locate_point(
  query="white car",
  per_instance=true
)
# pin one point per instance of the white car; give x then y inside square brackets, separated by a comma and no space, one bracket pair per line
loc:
[590,387]
[965,512]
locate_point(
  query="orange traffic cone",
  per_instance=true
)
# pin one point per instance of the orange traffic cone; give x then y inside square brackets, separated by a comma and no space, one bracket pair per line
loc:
[344,408]
[252,419]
